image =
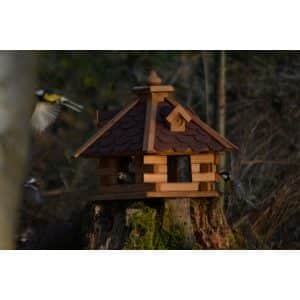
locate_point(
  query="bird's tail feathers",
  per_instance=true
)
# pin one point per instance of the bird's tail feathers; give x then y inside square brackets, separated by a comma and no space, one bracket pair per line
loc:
[72,105]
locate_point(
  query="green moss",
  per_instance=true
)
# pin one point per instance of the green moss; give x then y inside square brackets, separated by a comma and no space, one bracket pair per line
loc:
[147,231]
[141,223]
[172,239]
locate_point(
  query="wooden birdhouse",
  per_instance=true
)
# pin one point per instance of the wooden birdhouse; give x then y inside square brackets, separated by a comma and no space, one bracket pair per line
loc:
[155,148]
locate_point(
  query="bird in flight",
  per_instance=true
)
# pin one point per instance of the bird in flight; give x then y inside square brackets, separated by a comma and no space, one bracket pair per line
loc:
[48,107]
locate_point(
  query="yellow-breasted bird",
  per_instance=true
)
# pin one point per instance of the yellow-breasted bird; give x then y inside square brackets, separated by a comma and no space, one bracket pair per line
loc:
[227,179]
[48,107]
[235,187]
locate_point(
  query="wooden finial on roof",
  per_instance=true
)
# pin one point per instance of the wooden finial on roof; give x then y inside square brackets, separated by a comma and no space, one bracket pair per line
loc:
[154,79]
[154,85]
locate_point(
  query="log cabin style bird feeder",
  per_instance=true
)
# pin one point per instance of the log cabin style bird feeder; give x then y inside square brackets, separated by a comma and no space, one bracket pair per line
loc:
[155,148]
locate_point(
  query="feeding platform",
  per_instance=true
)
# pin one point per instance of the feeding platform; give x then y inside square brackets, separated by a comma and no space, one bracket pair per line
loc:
[155,148]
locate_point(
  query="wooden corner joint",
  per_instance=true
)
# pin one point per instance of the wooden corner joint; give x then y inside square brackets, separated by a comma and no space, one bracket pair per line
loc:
[178,118]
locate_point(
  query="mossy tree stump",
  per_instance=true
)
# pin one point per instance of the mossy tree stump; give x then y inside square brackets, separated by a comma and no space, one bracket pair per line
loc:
[177,217]
[165,224]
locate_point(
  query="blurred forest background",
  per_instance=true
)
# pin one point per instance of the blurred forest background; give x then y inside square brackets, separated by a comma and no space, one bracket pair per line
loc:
[263,119]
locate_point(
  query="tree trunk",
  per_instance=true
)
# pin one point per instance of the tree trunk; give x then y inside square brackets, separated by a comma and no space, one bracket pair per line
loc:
[209,105]
[16,103]
[177,217]
[210,225]
[221,110]
[168,224]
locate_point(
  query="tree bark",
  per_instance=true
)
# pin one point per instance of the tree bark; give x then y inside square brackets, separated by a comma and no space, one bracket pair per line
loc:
[177,216]
[16,104]
[210,226]
[170,224]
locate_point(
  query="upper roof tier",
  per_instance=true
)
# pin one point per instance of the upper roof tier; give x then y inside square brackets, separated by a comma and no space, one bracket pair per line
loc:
[153,123]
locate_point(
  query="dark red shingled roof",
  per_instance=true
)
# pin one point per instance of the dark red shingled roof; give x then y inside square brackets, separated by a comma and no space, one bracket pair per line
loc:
[107,115]
[126,136]
[124,133]
[194,138]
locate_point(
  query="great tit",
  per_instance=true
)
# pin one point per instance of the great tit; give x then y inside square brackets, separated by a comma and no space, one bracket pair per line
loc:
[32,192]
[48,107]
[236,187]
[125,178]
[225,175]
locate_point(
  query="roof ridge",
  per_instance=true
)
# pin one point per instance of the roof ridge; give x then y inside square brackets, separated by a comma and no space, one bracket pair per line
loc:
[150,126]
[217,136]
[105,128]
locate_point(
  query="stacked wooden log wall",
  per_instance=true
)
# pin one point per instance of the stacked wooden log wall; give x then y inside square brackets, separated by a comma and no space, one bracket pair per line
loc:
[204,170]
[159,167]
[109,186]
[202,180]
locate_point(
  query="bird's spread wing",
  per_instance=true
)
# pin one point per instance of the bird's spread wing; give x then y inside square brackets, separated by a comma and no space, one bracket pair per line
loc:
[44,115]
[71,104]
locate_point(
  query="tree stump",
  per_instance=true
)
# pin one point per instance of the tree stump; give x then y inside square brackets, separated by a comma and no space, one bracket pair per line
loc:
[210,225]
[181,223]
[177,217]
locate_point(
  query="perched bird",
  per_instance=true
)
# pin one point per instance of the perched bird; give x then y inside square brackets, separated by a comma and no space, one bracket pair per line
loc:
[125,178]
[225,175]
[25,236]
[48,107]
[236,187]
[32,192]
